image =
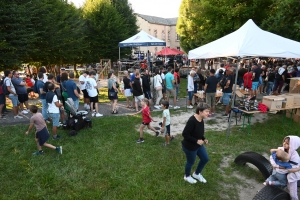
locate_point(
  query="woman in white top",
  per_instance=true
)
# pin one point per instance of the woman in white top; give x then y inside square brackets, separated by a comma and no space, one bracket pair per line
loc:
[157,82]
[190,88]
[43,70]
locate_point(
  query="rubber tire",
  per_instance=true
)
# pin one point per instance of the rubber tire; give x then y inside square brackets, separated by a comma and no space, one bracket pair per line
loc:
[257,160]
[272,193]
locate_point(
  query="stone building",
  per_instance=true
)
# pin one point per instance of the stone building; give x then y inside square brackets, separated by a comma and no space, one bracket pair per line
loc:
[161,28]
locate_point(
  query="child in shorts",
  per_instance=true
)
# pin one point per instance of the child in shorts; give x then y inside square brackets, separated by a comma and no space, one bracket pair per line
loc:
[146,119]
[41,134]
[165,126]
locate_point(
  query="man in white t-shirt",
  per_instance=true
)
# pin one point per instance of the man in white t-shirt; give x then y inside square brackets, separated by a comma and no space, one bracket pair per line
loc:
[91,88]
[82,81]
[12,93]
[53,109]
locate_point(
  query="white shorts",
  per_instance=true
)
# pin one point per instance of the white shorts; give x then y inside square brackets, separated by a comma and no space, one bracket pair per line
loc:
[127,93]
[138,98]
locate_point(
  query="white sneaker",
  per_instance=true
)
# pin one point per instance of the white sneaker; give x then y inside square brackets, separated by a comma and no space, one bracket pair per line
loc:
[88,107]
[190,179]
[190,107]
[157,107]
[199,177]
[176,107]
[170,106]
[24,112]
[98,115]
[18,117]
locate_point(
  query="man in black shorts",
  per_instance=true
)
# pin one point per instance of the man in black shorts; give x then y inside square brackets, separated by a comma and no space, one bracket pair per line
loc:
[21,90]
[82,81]
[146,86]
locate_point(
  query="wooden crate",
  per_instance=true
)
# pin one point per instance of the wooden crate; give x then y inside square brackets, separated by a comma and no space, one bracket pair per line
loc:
[273,102]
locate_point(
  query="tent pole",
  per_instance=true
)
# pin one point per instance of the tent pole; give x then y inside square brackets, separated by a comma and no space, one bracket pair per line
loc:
[119,54]
[233,96]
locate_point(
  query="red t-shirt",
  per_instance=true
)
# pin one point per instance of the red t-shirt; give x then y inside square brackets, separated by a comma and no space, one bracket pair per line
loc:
[176,77]
[248,80]
[146,115]
[28,82]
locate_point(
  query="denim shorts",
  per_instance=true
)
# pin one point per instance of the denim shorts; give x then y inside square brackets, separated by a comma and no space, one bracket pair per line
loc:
[254,85]
[14,99]
[55,118]
[226,98]
[191,94]
[76,104]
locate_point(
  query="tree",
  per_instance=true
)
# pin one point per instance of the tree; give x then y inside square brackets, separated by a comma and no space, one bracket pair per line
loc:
[284,19]
[106,27]
[202,21]
[15,33]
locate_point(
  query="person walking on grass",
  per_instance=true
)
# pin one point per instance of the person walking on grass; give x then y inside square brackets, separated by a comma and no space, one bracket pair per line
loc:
[137,90]
[166,123]
[41,134]
[193,144]
[53,109]
[91,87]
[146,119]
[210,89]
[170,91]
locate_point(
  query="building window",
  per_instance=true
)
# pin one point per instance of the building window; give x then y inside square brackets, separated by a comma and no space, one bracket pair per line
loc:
[177,37]
[155,33]
[163,36]
[169,35]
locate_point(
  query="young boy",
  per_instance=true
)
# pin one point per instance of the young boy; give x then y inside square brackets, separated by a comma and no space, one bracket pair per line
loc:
[53,109]
[165,126]
[41,134]
[280,162]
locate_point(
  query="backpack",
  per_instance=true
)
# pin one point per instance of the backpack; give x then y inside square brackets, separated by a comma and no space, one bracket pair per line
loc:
[1,90]
[4,88]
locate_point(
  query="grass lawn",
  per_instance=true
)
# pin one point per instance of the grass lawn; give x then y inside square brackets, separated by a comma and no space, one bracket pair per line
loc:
[105,163]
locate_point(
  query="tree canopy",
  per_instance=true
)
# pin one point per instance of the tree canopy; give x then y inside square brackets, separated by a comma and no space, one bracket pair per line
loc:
[53,32]
[203,21]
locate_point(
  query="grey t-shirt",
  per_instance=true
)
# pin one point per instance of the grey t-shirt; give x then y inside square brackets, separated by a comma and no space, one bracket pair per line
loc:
[20,89]
[8,82]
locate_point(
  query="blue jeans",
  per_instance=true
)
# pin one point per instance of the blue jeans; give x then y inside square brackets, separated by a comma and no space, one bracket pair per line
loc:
[191,158]
[76,104]
[44,108]
[177,90]
[269,87]
[278,179]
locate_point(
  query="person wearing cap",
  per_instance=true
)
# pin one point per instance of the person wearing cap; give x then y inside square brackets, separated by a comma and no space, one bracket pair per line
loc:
[190,88]
[62,70]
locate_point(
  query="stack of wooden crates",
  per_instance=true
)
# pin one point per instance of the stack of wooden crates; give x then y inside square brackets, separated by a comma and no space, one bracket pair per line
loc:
[287,100]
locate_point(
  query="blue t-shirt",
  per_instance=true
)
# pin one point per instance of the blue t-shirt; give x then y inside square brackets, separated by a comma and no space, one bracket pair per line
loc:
[20,89]
[70,86]
[169,78]
[40,85]
[132,77]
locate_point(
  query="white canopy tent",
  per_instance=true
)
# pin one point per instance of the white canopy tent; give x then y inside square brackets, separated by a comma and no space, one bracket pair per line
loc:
[248,40]
[141,39]
[251,41]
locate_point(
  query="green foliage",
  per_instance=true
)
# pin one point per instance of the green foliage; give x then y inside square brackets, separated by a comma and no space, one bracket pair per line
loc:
[108,23]
[203,21]
[283,19]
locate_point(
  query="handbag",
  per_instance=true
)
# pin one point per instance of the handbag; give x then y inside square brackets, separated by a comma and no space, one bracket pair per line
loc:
[112,93]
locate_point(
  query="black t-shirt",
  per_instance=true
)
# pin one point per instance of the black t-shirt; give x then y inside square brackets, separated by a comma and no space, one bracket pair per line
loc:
[136,87]
[231,79]
[45,88]
[211,82]
[192,132]
[278,77]
[126,82]
[271,77]
[257,72]
[241,72]
[146,83]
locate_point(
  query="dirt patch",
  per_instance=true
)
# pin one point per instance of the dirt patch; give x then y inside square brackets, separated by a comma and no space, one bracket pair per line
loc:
[216,123]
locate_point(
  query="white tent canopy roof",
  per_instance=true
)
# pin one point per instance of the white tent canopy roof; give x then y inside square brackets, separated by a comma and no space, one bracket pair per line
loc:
[142,39]
[248,40]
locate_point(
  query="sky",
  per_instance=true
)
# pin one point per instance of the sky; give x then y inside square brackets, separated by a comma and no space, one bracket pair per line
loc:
[158,8]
